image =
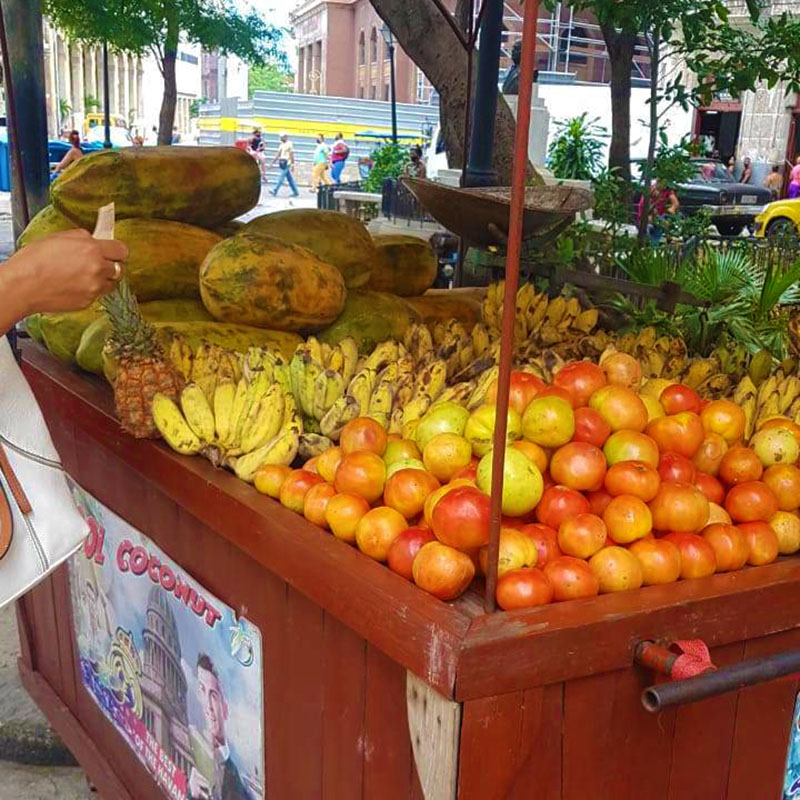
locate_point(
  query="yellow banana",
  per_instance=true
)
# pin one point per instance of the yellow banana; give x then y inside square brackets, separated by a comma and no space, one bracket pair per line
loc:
[172,425]
[224,396]
[336,360]
[314,350]
[349,350]
[328,388]
[346,408]
[586,321]
[198,413]
[380,403]
[311,371]
[292,420]
[480,339]
[383,354]
[282,449]
[265,420]
[361,386]
[311,445]
[239,401]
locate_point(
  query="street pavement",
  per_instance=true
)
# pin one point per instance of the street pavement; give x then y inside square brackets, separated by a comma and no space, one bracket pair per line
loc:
[33,760]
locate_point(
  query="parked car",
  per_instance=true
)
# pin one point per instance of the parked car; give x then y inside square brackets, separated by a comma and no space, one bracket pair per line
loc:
[732,205]
[779,219]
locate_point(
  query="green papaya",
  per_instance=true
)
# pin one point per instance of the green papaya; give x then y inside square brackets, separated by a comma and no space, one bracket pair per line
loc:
[48,220]
[33,326]
[62,332]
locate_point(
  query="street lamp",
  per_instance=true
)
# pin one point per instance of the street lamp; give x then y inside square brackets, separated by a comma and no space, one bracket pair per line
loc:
[386,32]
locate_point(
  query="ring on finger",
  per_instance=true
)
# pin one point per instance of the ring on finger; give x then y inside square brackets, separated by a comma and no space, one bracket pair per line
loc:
[117,271]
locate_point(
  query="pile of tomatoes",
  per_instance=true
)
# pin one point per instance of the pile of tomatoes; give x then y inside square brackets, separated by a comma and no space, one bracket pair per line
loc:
[609,485]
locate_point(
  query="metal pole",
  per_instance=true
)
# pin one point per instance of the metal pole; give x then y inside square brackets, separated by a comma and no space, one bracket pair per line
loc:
[393,89]
[518,176]
[479,164]
[23,64]
[106,99]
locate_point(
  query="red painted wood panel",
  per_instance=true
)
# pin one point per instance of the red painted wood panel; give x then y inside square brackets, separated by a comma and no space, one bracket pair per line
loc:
[387,742]
[763,720]
[704,736]
[48,660]
[64,626]
[344,686]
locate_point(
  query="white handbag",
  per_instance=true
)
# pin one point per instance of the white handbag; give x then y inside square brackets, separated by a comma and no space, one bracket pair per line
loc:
[41,525]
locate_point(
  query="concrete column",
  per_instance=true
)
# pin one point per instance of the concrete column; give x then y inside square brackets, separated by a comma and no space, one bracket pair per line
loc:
[139,79]
[309,68]
[90,73]
[301,71]
[133,102]
[99,79]
[51,89]
[78,89]
[113,83]
[62,75]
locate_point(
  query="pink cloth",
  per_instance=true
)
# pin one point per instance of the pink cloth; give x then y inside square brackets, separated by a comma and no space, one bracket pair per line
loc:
[794,176]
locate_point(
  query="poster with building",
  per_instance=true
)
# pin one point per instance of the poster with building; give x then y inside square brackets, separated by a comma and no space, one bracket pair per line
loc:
[175,670]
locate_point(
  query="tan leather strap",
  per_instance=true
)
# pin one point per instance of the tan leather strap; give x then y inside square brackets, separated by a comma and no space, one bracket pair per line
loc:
[13,484]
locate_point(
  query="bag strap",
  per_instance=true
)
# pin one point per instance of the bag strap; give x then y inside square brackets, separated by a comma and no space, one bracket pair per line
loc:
[13,483]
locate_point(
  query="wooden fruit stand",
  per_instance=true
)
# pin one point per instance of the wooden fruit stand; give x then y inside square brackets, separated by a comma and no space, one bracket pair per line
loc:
[374,689]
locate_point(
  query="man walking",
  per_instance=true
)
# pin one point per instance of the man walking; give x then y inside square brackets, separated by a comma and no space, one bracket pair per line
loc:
[285,160]
[319,172]
[339,156]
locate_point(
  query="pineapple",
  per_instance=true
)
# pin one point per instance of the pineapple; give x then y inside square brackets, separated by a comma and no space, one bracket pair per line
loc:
[142,369]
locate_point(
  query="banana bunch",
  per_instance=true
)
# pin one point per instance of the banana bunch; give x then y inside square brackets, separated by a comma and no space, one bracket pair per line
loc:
[246,422]
[205,367]
[778,395]
[319,374]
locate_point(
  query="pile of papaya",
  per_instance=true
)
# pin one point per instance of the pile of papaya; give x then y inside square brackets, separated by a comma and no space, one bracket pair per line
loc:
[198,271]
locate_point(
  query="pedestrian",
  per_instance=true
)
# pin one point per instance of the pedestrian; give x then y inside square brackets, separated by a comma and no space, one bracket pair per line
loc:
[416,166]
[75,152]
[732,168]
[793,191]
[319,171]
[747,172]
[339,156]
[774,182]
[285,160]
[256,149]
[663,202]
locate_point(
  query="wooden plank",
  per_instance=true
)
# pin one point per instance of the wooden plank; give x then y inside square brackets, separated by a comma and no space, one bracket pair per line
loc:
[490,736]
[344,686]
[539,755]
[415,629]
[763,722]
[387,743]
[611,743]
[600,633]
[434,724]
[78,740]
[704,735]
[302,684]
[25,630]
[65,628]
[48,661]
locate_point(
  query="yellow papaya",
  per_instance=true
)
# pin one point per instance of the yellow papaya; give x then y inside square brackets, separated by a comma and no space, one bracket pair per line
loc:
[234,337]
[405,265]
[164,257]
[370,317]
[48,220]
[62,332]
[205,186]
[89,354]
[336,238]
[252,279]
[33,326]
[443,304]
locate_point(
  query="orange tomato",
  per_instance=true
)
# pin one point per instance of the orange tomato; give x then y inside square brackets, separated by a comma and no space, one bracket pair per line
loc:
[294,488]
[523,388]
[377,529]
[590,427]
[697,555]
[523,588]
[407,490]
[316,503]
[622,370]
[784,480]
[679,507]
[578,465]
[363,433]
[535,453]
[762,541]
[617,569]
[678,397]
[559,503]
[710,453]
[631,446]
[660,560]
[361,472]
[724,418]
[729,545]
[633,477]
[403,550]
[598,501]
[571,578]
[442,571]
[627,519]
[582,536]
[446,454]
[740,464]
[682,433]
[580,379]
[270,477]
[751,501]
[461,518]
[710,487]
[328,463]
[545,540]
[343,513]
[620,407]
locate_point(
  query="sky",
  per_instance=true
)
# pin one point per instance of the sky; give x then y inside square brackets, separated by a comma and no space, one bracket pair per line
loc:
[277,13]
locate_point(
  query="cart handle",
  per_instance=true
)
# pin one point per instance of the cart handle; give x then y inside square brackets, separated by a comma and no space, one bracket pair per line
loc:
[714,682]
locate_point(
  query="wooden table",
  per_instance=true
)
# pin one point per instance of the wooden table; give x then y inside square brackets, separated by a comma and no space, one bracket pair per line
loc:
[362,670]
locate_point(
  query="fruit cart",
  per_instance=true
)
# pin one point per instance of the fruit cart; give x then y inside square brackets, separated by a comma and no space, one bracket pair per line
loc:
[374,689]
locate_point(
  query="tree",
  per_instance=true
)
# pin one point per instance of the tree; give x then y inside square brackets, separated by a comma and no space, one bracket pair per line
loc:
[270,77]
[436,49]
[159,26]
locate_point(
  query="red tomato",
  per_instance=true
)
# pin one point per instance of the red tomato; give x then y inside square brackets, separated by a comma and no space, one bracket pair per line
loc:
[633,477]
[559,503]
[294,488]
[590,427]
[580,379]
[363,433]
[556,391]
[679,507]
[762,542]
[598,501]
[620,407]
[784,480]
[571,578]
[751,501]
[631,446]
[545,539]
[627,519]
[407,490]
[523,388]
[404,549]
[443,571]
[582,535]
[710,487]
[740,464]
[578,465]
[461,518]
[523,588]
[683,433]
[675,468]
[678,397]
[729,545]
[697,556]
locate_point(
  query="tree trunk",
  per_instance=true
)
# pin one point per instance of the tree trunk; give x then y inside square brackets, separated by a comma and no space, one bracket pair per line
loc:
[166,119]
[655,59]
[433,46]
[620,46]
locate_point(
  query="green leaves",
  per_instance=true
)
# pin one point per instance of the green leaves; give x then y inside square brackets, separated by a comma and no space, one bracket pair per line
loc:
[576,151]
[388,161]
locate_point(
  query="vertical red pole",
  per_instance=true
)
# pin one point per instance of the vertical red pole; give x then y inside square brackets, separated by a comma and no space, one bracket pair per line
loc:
[519,172]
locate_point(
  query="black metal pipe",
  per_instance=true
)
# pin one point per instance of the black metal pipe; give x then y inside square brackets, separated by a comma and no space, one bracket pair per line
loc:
[481,147]
[106,99]
[393,89]
[726,679]
[23,64]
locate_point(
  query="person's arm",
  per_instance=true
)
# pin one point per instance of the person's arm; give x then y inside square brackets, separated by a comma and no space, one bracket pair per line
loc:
[674,204]
[65,162]
[62,272]
[275,160]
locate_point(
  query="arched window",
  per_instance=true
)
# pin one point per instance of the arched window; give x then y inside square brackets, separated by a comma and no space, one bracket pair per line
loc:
[362,50]
[373,46]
